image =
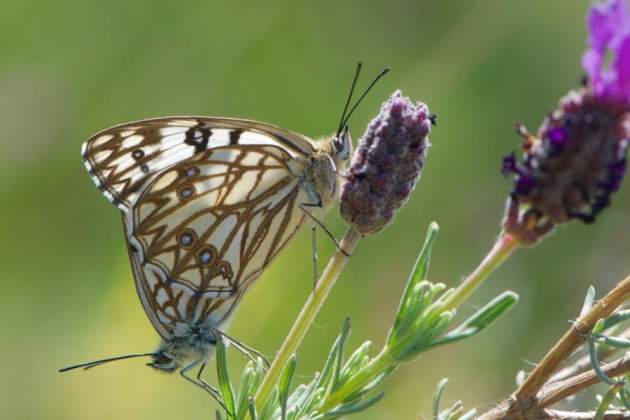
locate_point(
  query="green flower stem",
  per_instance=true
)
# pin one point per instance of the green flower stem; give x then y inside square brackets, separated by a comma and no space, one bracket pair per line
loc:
[504,247]
[307,315]
[364,377]
[500,252]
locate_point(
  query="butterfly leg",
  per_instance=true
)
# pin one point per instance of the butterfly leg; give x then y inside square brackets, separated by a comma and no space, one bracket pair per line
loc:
[243,348]
[201,383]
[319,223]
[314,243]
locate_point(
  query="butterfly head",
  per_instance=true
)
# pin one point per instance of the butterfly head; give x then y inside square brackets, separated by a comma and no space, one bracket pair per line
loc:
[164,362]
[341,146]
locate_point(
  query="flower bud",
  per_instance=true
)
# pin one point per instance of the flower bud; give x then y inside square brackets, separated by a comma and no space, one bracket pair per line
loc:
[386,165]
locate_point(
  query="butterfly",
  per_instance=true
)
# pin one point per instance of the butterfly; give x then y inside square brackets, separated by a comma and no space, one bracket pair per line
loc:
[207,204]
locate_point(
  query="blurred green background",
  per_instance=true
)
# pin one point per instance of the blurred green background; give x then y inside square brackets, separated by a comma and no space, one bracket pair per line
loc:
[71,68]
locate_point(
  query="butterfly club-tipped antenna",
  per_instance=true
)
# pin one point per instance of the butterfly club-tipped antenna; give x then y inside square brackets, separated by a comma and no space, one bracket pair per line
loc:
[95,363]
[345,107]
[345,115]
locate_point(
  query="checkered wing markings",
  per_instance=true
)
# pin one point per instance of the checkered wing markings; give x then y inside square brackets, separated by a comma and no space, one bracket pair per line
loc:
[123,160]
[205,229]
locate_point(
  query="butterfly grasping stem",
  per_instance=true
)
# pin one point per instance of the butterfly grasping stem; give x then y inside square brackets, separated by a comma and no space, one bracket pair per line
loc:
[307,314]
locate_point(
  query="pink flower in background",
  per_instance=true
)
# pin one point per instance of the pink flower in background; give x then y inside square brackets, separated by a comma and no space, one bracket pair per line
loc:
[607,61]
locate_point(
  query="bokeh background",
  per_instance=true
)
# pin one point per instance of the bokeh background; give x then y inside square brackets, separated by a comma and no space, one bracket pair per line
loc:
[71,68]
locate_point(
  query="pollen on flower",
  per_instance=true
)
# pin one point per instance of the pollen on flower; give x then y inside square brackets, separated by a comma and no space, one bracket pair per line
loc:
[386,165]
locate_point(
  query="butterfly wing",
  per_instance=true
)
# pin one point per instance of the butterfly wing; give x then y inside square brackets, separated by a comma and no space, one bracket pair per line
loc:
[204,229]
[124,159]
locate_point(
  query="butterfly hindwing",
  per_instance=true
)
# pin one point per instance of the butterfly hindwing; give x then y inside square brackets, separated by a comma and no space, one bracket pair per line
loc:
[122,160]
[205,228]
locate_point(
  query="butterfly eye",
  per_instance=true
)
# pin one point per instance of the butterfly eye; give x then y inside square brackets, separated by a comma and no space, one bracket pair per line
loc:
[341,144]
[338,144]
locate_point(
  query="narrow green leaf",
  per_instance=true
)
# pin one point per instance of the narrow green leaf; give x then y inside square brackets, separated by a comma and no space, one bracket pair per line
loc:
[616,318]
[588,301]
[252,409]
[376,381]
[592,352]
[246,390]
[354,407]
[284,384]
[354,361]
[418,274]
[296,395]
[303,394]
[599,326]
[452,413]
[343,337]
[617,342]
[469,415]
[481,319]
[415,306]
[328,373]
[607,400]
[270,406]
[310,403]
[437,397]
[225,384]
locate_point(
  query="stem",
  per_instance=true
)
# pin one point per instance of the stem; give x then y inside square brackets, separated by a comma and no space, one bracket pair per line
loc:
[501,251]
[307,315]
[528,398]
[584,364]
[571,340]
[560,391]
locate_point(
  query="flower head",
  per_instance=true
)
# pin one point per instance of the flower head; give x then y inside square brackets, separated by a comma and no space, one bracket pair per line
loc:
[386,165]
[577,160]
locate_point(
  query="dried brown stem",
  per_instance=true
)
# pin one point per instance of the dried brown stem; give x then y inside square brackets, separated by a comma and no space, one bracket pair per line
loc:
[558,391]
[584,363]
[573,338]
[526,402]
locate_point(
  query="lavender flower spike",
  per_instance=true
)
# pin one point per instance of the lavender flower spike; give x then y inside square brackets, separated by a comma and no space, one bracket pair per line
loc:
[576,162]
[386,165]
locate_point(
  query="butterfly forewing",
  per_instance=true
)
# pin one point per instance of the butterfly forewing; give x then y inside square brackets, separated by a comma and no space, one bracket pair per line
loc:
[122,160]
[205,228]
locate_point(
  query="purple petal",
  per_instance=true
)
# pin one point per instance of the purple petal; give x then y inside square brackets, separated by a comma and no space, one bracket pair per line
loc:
[558,136]
[621,67]
[607,20]
[592,61]
[609,25]
[509,164]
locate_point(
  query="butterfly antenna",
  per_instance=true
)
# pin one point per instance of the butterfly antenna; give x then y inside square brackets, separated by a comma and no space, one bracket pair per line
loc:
[376,79]
[95,363]
[345,108]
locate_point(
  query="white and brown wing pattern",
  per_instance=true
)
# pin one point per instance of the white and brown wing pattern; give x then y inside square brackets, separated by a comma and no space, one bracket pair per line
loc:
[203,230]
[123,160]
